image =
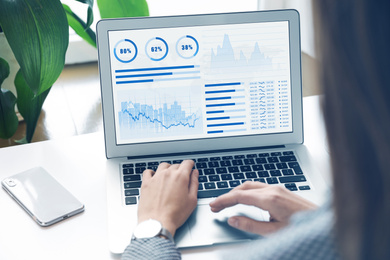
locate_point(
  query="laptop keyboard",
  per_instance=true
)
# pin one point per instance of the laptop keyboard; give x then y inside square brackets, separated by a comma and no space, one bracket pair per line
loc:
[220,174]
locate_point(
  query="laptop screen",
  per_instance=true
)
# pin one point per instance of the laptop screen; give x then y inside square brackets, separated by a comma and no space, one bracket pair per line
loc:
[200,82]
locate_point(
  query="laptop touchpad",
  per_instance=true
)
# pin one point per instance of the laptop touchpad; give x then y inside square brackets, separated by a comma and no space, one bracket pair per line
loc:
[212,228]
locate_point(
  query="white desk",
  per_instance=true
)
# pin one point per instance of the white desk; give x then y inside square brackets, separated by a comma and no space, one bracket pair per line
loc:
[78,163]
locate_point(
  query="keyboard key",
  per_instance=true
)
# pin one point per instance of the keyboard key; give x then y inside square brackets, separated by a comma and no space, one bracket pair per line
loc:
[238,176]
[215,158]
[251,175]
[276,154]
[202,179]
[209,185]
[214,178]
[208,171]
[133,184]
[239,156]
[263,154]
[221,170]
[297,170]
[242,181]
[260,180]
[153,168]
[167,161]
[234,183]
[225,158]
[132,178]
[306,187]
[127,165]
[261,160]
[293,164]
[295,178]
[131,192]
[140,165]
[272,180]
[177,161]
[288,158]
[257,167]
[226,177]
[213,164]
[291,186]
[200,172]
[237,162]
[273,159]
[203,159]
[275,173]
[212,193]
[253,155]
[269,166]
[140,169]
[263,174]
[201,165]
[288,153]
[153,163]
[245,168]
[233,169]
[287,172]
[131,200]
[200,187]
[222,184]
[225,163]
[249,161]
[128,171]
[281,165]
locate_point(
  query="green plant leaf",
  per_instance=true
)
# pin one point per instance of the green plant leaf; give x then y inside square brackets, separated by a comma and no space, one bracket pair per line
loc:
[89,12]
[80,27]
[8,119]
[122,8]
[29,104]
[37,31]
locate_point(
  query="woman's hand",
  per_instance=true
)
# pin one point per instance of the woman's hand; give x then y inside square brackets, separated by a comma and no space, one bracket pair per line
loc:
[278,201]
[169,195]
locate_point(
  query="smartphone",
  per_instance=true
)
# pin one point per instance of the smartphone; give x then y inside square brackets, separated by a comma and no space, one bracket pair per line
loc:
[41,196]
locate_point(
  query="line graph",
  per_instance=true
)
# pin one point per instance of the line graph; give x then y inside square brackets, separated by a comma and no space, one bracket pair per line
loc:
[158,116]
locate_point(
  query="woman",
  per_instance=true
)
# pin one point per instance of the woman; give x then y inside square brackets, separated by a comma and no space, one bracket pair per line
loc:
[353,38]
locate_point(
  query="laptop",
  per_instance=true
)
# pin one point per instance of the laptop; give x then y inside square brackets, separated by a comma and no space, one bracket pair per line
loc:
[221,89]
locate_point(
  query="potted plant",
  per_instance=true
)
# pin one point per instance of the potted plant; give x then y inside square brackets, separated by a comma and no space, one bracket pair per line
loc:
[37,32]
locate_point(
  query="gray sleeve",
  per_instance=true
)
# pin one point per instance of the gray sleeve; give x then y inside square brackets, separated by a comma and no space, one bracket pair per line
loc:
[309,236]
[151,248]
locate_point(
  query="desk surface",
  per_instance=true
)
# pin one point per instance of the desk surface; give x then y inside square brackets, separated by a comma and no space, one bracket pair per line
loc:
[78,163]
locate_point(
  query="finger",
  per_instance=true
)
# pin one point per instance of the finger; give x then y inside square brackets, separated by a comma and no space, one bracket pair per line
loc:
[247,197]
[163,166]
[258,227]
[147,174]
[194,182]
[249,185]
[187,165]
[174,166]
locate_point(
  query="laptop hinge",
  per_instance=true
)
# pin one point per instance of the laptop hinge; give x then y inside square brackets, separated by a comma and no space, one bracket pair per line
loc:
[203,152]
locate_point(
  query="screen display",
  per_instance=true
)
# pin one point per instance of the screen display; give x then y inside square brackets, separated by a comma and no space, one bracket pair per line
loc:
[200,82]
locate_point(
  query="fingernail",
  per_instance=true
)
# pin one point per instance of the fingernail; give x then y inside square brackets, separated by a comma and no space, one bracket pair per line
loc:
[233,222]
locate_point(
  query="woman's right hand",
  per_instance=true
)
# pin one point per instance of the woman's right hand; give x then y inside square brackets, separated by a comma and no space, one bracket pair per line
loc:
[277,200]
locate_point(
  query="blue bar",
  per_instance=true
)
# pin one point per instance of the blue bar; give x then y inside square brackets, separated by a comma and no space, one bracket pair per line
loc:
[218,118]
[215,112]
[215,132]
[158,68]
[134,81]
[186,72]
[218,98]
[144,75]
[221,105]
[227,124]
[220,91]
[223,84]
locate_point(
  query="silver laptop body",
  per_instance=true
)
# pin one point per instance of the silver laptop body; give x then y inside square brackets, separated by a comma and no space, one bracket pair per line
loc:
[196,87]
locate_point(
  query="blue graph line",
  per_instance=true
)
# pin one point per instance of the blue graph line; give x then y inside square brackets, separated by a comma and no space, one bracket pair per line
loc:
[151,120]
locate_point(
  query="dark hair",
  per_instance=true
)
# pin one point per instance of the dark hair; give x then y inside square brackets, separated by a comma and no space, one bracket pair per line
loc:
[354,46]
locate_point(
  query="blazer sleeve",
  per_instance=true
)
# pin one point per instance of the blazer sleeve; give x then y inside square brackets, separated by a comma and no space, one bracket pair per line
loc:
[151,248]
